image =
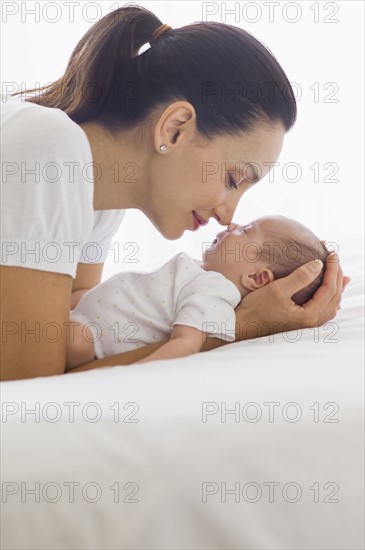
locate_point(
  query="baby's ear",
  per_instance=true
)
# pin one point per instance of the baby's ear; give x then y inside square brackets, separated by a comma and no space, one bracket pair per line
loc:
[256,279]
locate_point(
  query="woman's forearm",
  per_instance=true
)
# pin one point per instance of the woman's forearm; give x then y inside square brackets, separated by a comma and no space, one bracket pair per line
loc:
[130,357]
[265,311]
[76,297]
[244,330]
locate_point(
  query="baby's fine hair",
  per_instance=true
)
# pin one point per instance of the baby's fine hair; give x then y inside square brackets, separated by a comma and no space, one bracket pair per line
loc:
[290,252]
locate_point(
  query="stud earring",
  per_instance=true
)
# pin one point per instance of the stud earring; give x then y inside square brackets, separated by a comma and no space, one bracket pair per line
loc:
[163,148]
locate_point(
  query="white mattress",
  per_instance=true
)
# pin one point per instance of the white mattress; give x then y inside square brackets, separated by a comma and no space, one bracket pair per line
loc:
[172,467]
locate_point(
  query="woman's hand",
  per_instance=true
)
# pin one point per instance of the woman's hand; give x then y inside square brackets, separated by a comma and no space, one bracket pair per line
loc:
[270,309]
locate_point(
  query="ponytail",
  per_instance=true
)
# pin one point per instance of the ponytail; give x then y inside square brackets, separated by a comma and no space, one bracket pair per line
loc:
[230,78]
[102,51]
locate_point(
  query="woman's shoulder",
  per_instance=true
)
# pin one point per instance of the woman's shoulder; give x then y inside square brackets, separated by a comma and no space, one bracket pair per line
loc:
[47,188]
[34,127]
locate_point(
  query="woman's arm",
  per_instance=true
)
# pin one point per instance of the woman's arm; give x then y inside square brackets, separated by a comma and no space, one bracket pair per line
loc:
[131,357]
[34,322]
[266,311]
[87,276]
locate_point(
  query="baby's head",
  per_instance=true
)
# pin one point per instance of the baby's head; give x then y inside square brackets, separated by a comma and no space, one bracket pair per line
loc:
[268,248]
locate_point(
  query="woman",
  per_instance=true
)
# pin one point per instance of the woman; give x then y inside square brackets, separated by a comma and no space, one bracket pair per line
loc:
[180,131]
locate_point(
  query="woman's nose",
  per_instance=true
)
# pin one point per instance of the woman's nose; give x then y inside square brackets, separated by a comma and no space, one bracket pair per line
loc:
[232,226]
[225,211]
[221,218]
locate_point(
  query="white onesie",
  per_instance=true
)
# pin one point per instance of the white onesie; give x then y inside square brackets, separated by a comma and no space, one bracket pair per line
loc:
[133,309]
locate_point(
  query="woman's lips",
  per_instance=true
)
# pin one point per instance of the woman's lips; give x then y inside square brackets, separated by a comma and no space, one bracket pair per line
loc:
[198,221]
[196,224]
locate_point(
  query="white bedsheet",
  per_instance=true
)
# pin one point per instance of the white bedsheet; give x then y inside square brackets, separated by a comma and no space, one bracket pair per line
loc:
[174,467]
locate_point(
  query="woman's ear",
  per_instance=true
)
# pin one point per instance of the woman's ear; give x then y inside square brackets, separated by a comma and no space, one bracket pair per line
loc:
[256,279]
[177,117]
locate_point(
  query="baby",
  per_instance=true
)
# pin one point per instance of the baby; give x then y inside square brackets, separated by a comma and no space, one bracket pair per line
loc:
[188,300]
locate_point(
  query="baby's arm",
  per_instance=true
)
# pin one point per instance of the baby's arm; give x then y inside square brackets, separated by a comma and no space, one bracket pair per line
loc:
[183,341]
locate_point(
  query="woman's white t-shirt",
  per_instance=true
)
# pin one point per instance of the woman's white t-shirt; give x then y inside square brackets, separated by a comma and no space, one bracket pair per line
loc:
[47,217]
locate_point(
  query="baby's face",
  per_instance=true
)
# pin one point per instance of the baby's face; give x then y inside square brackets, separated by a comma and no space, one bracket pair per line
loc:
[237,251]
[234,246]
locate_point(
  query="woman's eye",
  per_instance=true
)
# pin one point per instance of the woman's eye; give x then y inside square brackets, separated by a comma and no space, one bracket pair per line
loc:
[232,183]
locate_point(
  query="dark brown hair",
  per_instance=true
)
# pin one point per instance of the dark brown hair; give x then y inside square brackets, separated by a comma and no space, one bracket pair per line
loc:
[292,251]
[231,79]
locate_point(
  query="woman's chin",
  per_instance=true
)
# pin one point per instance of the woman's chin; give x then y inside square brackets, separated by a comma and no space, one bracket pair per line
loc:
[168,230]
[171,233]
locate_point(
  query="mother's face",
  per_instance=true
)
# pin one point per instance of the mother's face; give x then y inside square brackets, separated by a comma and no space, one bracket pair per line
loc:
[194,179]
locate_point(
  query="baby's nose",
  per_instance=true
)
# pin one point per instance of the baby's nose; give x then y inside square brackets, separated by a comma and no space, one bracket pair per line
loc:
[230,227]
[220,234]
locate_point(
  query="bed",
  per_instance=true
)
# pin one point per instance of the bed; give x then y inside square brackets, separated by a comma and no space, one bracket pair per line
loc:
[255,445]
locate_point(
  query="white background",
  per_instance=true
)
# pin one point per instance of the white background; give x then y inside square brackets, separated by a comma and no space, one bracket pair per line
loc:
[315,42]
